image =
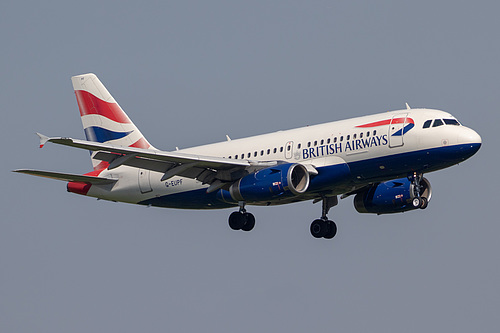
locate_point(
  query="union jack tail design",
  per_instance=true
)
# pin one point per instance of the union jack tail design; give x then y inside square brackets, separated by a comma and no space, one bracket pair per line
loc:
[102,118]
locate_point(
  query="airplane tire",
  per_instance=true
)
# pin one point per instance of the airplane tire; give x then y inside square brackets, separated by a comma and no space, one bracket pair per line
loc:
[416,202]
[236,220]
[319,228]
[249,222]
[425,203]
[332,230]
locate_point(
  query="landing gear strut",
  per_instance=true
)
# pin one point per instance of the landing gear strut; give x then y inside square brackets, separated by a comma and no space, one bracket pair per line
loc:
[323,227]
[241,220]
[418,200]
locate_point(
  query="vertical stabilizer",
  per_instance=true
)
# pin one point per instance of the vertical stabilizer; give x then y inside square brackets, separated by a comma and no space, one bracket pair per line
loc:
[102,117]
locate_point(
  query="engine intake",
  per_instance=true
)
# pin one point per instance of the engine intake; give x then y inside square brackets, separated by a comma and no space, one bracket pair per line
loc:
[394,196]
[271,183]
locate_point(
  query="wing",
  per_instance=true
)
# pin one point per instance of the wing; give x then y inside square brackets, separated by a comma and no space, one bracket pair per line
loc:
[215,171]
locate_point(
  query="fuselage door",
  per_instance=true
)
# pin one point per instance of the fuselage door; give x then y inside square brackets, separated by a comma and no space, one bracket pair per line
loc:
[289,150]
[144,181]
[396,130]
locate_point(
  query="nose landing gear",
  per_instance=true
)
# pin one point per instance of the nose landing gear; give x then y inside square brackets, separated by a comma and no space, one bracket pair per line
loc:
[419,201]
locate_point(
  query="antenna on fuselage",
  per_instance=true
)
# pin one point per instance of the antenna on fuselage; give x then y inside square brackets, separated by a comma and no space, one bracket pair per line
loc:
[407,107]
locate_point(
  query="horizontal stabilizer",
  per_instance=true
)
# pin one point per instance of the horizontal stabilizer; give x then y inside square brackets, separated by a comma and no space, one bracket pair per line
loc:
[68,177]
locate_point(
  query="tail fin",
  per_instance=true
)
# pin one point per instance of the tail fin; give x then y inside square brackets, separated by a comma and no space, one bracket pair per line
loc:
[102,118]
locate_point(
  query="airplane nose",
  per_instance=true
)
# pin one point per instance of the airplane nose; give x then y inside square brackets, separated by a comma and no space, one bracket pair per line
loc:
[469,141]
[468,135]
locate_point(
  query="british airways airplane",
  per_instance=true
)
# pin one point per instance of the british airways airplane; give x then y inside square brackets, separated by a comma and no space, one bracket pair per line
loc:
[380,159]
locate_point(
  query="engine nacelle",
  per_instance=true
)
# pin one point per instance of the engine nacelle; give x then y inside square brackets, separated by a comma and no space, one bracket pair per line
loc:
[271,183]
[394,196]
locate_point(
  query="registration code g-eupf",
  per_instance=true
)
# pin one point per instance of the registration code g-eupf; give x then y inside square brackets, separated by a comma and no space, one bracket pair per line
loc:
[172,183]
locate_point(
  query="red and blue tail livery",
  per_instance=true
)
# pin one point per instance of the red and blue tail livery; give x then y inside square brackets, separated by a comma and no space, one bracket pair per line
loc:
[102,117]
[379,159]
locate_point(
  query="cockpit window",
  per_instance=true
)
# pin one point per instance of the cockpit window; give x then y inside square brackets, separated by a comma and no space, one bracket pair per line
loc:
[427,124]
[451,122]
[437,122]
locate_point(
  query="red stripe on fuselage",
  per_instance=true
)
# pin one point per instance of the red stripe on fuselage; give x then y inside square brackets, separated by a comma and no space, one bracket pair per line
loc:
[90,104]
[376,124]
[388,122]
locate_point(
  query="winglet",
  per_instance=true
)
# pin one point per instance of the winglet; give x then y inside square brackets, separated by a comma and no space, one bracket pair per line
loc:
[43,139]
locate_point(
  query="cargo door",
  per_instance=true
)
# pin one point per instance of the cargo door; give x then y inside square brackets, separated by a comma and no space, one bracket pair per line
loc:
[144,181]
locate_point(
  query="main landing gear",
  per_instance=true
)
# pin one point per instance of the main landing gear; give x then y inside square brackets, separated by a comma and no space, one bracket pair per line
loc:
[320,228]
[241,220]
[323,227]
[418,200]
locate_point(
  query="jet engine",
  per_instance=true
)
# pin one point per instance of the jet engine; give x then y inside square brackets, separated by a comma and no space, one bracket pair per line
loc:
[395,196]
[271,183]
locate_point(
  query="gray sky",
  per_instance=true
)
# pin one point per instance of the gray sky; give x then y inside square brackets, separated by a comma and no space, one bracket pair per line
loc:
[190,72]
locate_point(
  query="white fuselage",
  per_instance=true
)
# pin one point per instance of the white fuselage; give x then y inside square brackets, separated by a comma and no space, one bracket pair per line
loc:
[369,145]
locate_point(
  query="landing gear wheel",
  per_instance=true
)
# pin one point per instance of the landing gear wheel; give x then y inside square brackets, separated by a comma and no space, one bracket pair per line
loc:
[417,202]
[319,228]
[236,220]
[249,222]
[241,221]
[425,203]
[332,230]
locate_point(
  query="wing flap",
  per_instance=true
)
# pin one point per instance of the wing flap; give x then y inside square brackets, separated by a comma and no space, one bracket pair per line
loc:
[141,163]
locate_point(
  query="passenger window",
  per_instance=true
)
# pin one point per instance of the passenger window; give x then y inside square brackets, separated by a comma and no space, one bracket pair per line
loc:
[341,138]
[328,141]
[367,134]
[437,122]
[315,143]
[281,149]
[334,139]
[308,144]
[249,155]
[374,132]
[268,151]
[288,148]
[235,157]
[348,137]
[299,145]
[261,153]
[354,136]
[275,150]
[451,122]
[427,124]
[242,156]
[255,154]
[322,141]
[361,135]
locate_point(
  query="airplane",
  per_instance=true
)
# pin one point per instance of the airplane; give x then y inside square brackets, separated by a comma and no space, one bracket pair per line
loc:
[380,159]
